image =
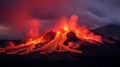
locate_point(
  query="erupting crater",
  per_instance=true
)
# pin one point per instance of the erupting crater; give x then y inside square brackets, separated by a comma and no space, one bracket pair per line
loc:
[67,37]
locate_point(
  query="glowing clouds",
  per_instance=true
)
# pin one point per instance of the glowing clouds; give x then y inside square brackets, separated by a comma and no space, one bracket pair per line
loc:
[4,30]
[33,28]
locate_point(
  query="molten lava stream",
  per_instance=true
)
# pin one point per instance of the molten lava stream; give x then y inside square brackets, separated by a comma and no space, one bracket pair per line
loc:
[54,43]
[57,45]
[24,48]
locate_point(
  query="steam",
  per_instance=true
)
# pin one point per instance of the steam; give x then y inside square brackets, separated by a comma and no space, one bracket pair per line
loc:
[107,9]
[15,15]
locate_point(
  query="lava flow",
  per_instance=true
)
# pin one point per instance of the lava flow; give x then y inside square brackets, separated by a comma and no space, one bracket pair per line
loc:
[66,37]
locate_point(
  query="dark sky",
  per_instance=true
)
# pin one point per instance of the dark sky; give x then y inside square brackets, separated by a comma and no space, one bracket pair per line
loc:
[15,15]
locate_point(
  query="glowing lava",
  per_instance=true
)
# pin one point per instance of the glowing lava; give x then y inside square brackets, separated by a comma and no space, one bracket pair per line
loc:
[54,41]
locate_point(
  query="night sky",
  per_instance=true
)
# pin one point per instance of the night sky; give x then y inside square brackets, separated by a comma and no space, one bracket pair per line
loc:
[15,15]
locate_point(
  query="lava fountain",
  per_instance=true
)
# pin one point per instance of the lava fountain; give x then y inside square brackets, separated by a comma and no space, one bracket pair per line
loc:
[66,37]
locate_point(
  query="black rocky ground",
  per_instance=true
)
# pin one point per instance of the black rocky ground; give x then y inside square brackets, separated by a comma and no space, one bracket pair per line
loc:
[97,55]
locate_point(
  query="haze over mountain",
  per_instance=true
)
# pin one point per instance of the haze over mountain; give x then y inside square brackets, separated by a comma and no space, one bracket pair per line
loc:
[15,15]
[110,30]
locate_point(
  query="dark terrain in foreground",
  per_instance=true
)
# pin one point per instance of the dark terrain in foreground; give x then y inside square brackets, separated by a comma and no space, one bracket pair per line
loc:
[103,55]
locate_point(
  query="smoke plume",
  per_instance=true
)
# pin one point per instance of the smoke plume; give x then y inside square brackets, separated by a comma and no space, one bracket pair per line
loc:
[16,15]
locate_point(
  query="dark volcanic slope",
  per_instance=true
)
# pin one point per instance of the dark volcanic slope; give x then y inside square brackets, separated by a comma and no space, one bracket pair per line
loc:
[110,30]
[93,54]
[99,56]
[105,50]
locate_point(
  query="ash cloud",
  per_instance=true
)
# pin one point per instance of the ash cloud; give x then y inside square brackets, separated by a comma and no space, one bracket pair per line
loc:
[15,15]
[108,9]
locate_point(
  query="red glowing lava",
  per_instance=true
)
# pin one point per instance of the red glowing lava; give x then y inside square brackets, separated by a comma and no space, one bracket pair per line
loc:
[54,41]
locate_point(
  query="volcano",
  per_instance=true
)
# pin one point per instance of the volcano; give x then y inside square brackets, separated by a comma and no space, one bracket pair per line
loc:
[66,43]
[65,37]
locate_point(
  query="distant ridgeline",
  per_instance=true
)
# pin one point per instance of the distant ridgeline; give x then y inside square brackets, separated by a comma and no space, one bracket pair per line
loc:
[110,30]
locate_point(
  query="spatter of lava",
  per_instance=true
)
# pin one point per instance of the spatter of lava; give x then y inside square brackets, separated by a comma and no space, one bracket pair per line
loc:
[66,37]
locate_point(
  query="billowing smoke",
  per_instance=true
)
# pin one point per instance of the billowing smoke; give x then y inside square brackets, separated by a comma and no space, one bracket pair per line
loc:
[106,9]
[15,15]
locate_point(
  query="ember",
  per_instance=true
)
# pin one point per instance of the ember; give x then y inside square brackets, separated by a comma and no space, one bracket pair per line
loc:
[67,37]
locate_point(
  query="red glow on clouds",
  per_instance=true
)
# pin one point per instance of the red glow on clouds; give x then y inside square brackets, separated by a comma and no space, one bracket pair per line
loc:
[54,41]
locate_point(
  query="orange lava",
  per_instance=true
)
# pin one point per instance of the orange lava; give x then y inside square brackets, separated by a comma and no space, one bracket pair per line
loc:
[48,44]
